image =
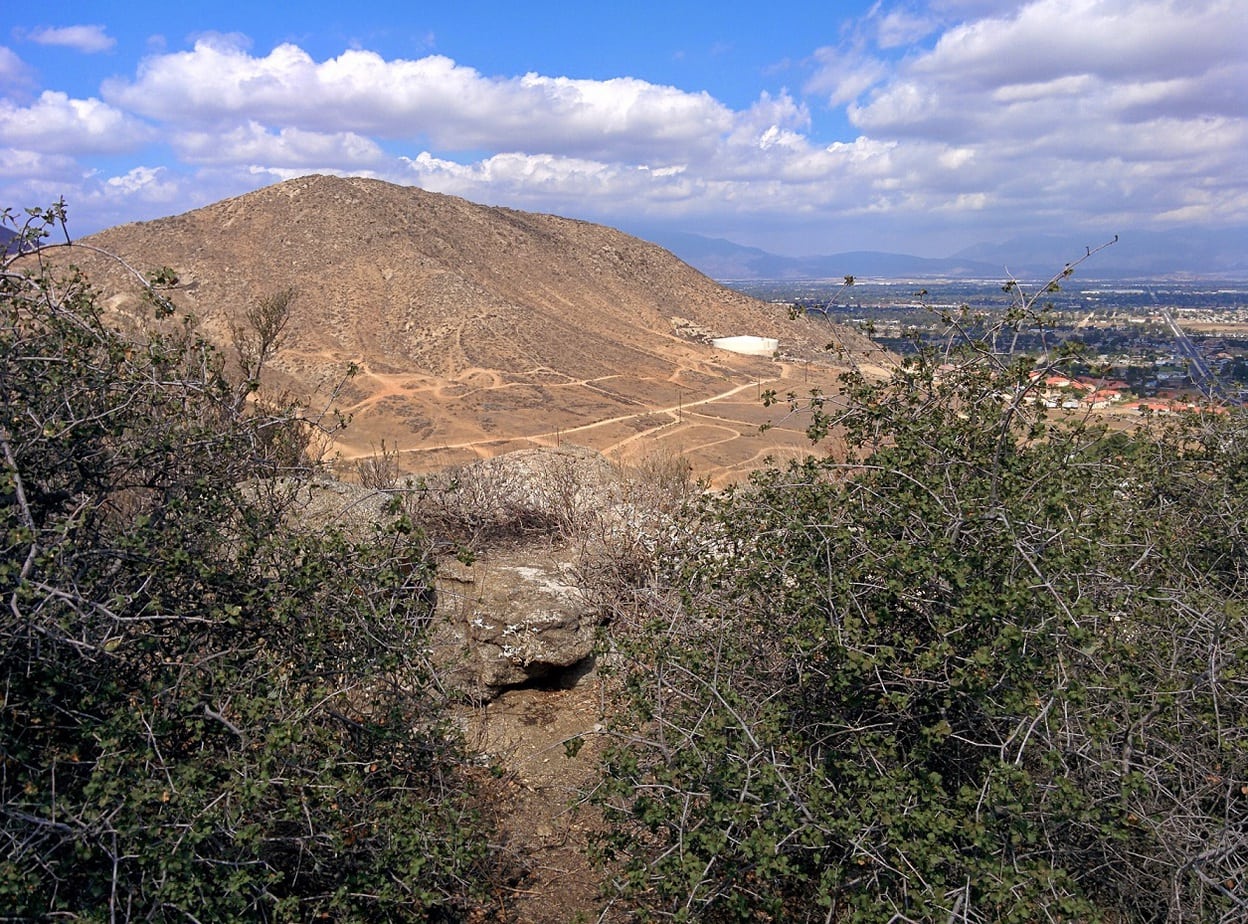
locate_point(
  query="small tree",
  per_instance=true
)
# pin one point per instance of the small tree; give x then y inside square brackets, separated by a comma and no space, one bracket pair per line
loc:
[260,334]
[379,471]
[210,710]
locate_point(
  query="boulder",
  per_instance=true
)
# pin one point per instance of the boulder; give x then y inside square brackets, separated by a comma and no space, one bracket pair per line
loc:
[512,618]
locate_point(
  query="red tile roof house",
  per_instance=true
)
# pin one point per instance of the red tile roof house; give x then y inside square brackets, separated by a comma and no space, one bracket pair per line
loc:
[1175,406]
[1103,397]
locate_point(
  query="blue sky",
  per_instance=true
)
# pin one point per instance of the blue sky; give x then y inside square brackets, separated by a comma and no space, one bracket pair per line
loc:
[921,126]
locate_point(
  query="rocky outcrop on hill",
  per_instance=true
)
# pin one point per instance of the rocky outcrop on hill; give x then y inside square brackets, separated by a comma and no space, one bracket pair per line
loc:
[510,537]
[513,611]
[513,618]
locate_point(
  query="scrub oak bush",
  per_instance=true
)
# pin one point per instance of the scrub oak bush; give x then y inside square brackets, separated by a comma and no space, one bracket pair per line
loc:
[208,711]
[991,666]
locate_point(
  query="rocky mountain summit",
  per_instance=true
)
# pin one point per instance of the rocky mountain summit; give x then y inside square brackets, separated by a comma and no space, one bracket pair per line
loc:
[474,330]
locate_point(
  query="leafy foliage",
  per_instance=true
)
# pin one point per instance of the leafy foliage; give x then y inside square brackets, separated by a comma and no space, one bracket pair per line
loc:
[992,666]
[210,711]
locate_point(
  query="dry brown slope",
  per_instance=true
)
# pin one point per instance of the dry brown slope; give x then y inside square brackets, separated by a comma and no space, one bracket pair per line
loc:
[478,329]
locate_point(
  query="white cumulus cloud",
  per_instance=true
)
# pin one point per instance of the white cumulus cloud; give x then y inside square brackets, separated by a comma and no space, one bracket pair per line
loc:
[56,123]
[13,71]
[896,28]
[253,143]
[18,163]
[88,39]
[920,118]
[1078,107]
[151,184]
[431,98]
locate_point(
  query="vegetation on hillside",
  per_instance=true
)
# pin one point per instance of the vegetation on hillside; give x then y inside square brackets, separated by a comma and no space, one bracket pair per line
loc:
[209,711]
[990,665]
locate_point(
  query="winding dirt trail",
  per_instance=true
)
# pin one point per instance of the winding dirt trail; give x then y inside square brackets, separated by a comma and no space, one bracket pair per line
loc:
[722,435]
[674,411]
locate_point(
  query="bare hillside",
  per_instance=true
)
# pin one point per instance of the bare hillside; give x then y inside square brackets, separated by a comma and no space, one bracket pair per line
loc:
[477,329]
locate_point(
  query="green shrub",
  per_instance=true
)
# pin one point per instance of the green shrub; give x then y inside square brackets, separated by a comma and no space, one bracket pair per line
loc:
[991,667]
[209,711]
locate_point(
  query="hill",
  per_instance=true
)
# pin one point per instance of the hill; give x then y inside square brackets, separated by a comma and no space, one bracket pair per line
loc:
[1137,255]
[478,330]
[724,260]
[1191,254]
[7,236]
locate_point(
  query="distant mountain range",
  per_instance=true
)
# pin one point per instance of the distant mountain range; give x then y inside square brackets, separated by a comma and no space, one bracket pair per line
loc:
[1136,255]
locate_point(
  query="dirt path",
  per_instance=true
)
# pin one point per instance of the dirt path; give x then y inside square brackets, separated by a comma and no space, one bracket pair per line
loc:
[547,743]
[674,411]
[722,443]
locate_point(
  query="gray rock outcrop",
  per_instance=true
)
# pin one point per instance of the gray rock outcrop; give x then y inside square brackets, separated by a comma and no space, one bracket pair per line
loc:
[511,618]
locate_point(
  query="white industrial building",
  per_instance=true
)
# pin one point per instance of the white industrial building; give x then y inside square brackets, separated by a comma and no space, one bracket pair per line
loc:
[750,346]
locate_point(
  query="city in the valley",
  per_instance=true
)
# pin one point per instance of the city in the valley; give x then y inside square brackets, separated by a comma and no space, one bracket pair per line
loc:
[1149,346]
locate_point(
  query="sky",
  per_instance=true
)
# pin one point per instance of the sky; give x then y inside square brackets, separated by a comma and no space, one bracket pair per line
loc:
[803,128]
